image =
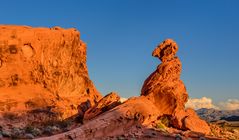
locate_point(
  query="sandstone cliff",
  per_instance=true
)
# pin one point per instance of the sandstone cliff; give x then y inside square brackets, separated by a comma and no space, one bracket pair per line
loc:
[43,71]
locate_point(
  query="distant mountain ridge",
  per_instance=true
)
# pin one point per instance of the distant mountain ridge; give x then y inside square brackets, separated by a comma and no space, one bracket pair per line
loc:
[211,114]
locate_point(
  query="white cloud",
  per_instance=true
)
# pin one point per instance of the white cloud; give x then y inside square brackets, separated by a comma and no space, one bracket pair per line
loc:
[123,99]
[230,104]
[198,103]
[205,102]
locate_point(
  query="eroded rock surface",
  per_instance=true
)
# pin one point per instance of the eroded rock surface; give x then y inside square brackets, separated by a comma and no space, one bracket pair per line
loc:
[108,102]
[194,123]
[163,86]
[165,89]
[127,119]
[43,69]
[158,113]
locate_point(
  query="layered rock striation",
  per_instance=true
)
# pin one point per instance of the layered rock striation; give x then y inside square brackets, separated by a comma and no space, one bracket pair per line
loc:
[108,102]
[163,86]
[43,70]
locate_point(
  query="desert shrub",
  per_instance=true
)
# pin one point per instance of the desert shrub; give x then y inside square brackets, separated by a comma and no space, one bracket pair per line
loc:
[160,125]
[64,124]
[29,129]
[32,130]
[17,133]
[60,124]
[165,120]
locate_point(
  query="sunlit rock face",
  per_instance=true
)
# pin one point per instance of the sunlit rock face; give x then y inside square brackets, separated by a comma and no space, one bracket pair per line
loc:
[164,86]
[43,70]
[108,102]
[162,101]
[168,93]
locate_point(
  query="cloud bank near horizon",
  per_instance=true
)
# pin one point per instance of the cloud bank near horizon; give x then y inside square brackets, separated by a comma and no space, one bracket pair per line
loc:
[123,99]
[230,104]
[205,102]
[197,103]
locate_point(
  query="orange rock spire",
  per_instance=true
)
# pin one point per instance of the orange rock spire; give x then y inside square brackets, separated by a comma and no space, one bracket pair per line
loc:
[165,89]
[164,86]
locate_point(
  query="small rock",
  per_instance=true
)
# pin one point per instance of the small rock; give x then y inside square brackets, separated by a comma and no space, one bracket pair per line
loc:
[29,136]
[108,102]
[235,131]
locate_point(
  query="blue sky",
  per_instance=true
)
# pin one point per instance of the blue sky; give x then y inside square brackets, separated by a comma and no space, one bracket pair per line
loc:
[121,35]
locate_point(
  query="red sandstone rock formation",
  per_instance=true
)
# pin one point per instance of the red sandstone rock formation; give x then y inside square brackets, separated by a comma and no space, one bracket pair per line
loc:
[132,119]
[165,89]
[43,69]
[128,118]
[163,86]
[106,103]
[163,95]
[192,122]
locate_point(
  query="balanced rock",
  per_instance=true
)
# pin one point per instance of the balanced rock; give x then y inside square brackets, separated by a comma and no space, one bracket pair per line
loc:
[165,89]
[43,69]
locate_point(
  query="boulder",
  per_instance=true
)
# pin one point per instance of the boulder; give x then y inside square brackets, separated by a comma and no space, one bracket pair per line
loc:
[108,102]
[189,120]
[194,123]
[82,108]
